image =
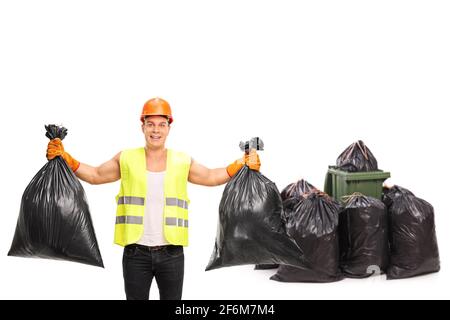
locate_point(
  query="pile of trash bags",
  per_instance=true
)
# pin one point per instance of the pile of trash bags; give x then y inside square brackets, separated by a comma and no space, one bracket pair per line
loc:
[54,219]
[357,237]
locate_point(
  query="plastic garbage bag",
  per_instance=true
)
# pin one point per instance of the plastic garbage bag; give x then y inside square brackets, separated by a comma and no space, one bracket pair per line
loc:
[266,266]
[363,236]
[412,236]
[293,190]
[251,229]
[312,221]
[297,189]
[54,220]
[357,158]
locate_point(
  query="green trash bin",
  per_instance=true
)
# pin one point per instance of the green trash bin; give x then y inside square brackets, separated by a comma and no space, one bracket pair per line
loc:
[340,183]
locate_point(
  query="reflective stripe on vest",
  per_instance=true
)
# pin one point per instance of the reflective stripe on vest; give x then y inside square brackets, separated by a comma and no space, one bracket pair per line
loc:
[129,220]
[176,222]
[176,202]
[140,201]
[131,200]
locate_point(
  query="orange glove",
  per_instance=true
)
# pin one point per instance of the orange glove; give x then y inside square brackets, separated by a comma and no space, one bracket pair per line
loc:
[251,160]
[55,148]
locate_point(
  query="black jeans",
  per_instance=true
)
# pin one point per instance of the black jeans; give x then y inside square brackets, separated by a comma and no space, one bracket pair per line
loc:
[140,265]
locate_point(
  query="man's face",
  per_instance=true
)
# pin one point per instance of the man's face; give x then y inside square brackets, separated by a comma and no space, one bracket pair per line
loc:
[156,129]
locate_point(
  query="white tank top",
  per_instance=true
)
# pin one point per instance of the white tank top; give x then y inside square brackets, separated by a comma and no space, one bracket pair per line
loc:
[153,234]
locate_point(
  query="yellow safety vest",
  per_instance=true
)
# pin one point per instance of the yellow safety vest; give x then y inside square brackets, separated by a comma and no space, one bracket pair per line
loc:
[131,199]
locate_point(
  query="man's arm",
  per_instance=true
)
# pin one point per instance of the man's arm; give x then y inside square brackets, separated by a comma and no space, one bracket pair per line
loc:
[199,174]
[106,172]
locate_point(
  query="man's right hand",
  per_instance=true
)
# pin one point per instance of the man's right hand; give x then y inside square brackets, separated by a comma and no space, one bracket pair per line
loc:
[55,148]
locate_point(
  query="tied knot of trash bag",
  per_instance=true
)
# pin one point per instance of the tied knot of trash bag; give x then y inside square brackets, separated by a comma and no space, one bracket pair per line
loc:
[362,148]
[318,193]
[54,131]
[350,197]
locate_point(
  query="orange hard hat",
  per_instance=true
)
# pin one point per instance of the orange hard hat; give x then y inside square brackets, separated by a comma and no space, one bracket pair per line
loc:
[157,107]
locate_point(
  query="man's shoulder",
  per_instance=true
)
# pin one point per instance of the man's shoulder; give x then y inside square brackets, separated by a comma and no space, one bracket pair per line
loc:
[135,148]
[131,150]
[181,155]
[126,153]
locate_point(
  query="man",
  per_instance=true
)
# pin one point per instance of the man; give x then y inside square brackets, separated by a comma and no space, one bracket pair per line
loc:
[152,205]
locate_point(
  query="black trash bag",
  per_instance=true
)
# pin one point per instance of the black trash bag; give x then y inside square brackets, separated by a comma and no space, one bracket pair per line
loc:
[293,190]
[412,236]
[357,158]
[251,229]
[313,222]
[54,220]
[363,237]
[266,266]
[297,189]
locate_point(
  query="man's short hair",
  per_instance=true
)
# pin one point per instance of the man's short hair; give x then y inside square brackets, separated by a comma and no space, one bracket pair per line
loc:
[167,117]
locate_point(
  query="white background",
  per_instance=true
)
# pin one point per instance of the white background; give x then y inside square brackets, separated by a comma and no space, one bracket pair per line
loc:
[308,77]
